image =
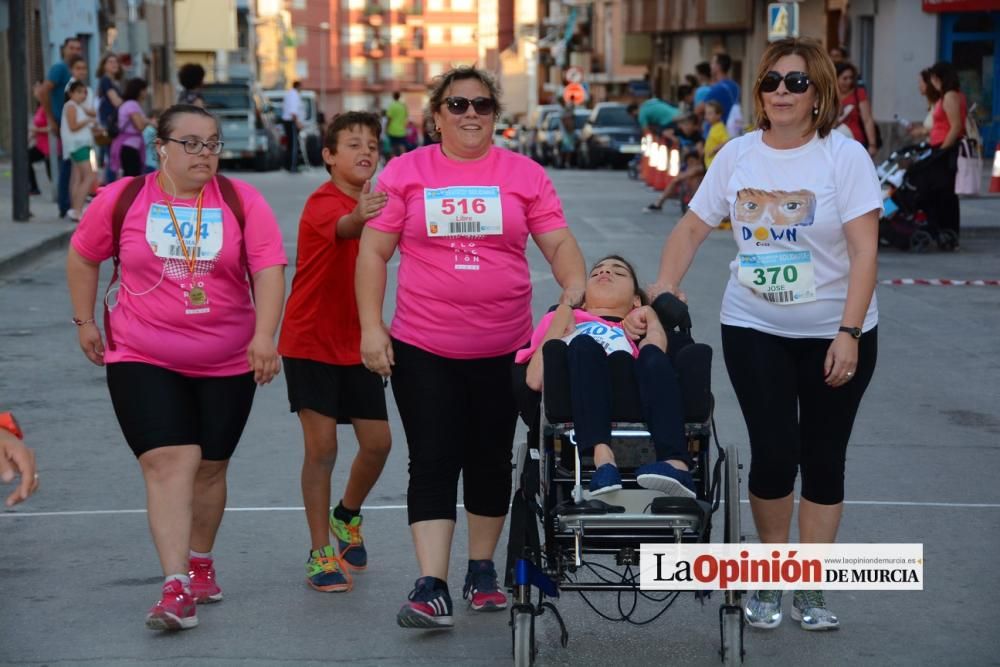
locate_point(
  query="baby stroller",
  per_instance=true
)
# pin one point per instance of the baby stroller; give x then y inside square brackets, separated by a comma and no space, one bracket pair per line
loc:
[905,177]
[589,545]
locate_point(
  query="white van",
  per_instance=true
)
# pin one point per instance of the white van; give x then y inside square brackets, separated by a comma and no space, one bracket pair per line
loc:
[310,126]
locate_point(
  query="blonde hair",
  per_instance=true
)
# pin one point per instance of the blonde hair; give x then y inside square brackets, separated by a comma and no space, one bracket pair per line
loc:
[822,77]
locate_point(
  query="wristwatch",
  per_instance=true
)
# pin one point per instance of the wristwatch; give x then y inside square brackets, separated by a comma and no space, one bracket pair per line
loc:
[854,331]
[8,423]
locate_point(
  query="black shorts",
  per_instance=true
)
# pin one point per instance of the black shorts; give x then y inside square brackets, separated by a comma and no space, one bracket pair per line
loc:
[157,407]
[339,392]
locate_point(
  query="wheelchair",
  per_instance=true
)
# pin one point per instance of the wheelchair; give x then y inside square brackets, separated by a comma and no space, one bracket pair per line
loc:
[576,529]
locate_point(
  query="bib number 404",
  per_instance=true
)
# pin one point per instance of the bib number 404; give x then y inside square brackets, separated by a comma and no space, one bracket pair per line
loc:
[789,273]
[463,206]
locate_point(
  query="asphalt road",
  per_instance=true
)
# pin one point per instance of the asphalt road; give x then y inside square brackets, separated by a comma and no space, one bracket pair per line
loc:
[78,570]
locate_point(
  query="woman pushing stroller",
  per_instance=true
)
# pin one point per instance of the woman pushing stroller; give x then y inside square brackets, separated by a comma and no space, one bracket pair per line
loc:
[592,336]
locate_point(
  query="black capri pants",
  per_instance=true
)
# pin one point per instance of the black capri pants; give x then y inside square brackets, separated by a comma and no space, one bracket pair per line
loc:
[795,420]
[459,417]
[157,407]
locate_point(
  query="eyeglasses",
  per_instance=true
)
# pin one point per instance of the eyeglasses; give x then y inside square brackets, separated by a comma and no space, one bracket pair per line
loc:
[195,146]
[484,106]
[795,82]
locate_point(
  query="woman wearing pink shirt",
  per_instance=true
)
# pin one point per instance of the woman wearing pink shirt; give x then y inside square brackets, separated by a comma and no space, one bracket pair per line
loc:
[460,213]
[186,343]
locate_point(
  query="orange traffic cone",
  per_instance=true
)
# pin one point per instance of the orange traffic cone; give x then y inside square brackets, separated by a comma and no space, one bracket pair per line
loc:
[995,180]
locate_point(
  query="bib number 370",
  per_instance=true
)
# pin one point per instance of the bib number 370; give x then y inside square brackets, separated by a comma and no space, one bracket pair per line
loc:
[782,278]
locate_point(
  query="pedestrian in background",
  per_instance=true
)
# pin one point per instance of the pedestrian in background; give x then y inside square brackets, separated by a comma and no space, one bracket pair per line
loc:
[321,348]
[799,317]
[109,94]
[920,131]
[128,148]
[53,98]
[855,109]
[191,77]
[186,343]
[77,139]
[948,115]
[460,214]
[291,120]
[38,144]
[397,115]
[151,162]
[703,72]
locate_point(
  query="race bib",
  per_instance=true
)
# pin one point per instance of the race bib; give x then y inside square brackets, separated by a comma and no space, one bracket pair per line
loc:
[463,211]
[779,277]
[612,339]
[162,236]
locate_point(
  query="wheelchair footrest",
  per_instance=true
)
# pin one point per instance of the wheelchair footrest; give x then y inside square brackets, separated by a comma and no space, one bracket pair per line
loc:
[672,505]
[589,507]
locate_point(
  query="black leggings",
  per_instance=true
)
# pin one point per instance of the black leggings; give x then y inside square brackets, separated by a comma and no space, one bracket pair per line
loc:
[659,394]
[795,420]
[459,417]
[936,182]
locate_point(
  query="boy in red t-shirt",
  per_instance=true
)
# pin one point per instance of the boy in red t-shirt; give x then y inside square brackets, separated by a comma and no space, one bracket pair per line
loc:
[321,346]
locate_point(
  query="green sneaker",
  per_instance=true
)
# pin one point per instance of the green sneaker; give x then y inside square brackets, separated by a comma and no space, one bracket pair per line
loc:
[763,609]
[809,608]
[325,573]
[350,543]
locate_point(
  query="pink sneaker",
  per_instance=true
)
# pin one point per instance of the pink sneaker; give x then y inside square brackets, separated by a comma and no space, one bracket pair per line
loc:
[176,610]
[203,586]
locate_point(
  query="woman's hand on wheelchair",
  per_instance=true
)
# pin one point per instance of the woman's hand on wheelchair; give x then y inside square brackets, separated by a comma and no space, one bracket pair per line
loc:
[654,290]
[376,350]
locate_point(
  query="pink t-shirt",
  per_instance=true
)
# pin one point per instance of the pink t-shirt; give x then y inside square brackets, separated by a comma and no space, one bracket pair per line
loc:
[199,327]
[464,288]
[609,334]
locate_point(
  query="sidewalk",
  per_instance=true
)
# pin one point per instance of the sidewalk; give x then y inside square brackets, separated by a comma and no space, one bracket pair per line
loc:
[22,242]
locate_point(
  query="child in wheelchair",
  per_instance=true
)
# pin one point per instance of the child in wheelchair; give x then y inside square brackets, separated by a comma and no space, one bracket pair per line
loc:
[594,343]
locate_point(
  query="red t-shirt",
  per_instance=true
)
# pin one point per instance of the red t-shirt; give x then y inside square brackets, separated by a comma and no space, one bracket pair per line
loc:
[853,120]
[321,316]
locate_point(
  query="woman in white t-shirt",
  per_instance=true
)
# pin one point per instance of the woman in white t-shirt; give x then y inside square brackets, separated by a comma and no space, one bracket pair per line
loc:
[799,315]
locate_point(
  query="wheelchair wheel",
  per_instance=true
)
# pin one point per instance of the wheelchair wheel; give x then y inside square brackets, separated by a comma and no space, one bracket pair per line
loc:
[523,626]
[920,241]
[731,614]
[947,240]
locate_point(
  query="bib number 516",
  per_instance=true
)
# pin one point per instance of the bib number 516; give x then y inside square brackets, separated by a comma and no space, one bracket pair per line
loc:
[465,206]
[789,273]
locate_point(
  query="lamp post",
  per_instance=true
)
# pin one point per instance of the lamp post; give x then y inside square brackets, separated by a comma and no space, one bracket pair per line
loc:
[324,47]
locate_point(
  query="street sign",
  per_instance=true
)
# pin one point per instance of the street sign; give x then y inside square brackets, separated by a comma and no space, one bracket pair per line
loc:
[574,93]
[574,75]
[782,20]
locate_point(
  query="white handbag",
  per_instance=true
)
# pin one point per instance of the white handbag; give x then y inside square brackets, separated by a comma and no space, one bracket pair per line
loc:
[968,178]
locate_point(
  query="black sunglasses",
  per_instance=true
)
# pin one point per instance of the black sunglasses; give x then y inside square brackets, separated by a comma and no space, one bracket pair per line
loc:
[484,106]
[795,82]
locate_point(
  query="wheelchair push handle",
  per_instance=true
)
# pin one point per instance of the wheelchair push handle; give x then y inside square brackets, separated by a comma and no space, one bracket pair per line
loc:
[673,313]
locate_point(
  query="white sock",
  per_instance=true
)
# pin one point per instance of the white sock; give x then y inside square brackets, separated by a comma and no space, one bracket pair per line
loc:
[197,554]
[183,578]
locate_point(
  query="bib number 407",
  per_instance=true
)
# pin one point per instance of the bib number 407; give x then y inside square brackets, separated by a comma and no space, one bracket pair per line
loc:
[789,273]
[463,206]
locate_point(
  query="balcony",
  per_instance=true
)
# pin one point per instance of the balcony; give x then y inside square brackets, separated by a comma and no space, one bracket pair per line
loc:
[376,48]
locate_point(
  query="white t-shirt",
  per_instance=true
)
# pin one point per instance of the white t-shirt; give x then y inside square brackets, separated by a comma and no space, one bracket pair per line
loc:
[787,207]
[291,105]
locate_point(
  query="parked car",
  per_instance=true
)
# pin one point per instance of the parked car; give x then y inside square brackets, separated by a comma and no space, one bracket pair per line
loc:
[247,128]
[506,136]
[535,122]
[580,117]
[311,131]
[545,139]
[610,136]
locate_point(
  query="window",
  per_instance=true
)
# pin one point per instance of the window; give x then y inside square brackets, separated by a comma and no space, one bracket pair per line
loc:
[356,4]
[396,5]
[436,5]
[435,35]
[356,34]
[301,34]
[463,5]
[298,4]
[435,69]
[302,69]
[463,34]
[397,33]
[357,68]
[357,102]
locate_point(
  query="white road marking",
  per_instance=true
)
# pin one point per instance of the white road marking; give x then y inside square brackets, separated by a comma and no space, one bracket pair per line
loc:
[884,503]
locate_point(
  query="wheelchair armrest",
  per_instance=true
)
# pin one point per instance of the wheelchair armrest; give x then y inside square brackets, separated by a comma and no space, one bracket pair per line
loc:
[694,370]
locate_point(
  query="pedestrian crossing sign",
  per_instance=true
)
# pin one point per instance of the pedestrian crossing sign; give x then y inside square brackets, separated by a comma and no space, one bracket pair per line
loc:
[782,20]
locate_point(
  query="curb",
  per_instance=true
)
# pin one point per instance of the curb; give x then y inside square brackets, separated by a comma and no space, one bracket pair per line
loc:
[31,253]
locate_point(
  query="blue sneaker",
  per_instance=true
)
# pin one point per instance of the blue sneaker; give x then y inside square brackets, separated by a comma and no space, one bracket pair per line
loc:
[605,480]
[663,477]
[429,606]
[350,542]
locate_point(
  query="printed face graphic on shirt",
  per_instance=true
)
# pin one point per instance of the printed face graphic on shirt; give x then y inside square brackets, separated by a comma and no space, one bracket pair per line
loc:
[775,207]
